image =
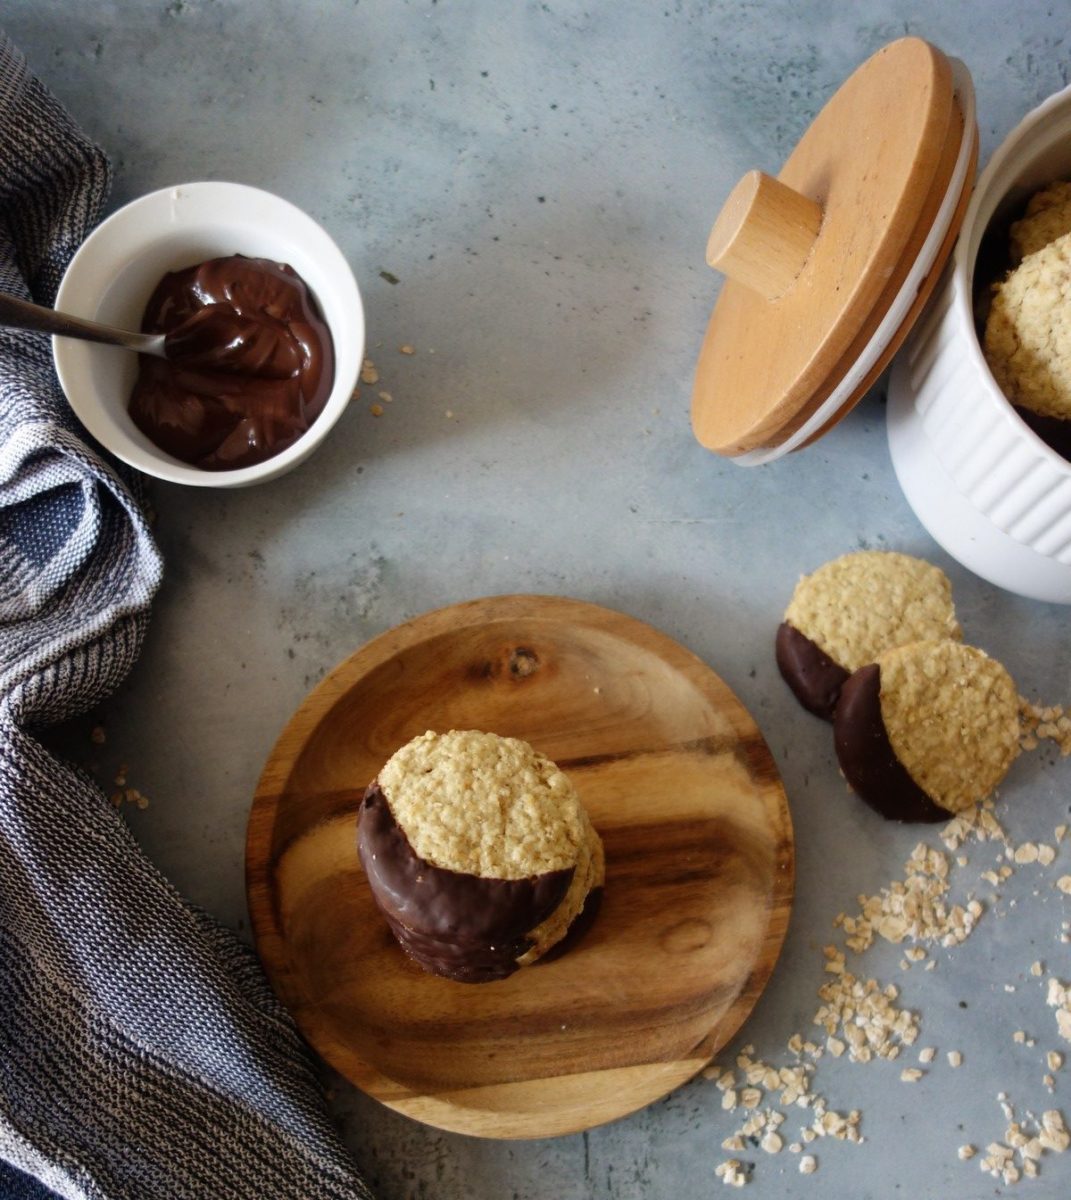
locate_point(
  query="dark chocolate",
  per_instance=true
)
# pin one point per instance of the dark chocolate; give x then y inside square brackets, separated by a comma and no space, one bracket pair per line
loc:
[815,679]
[462,926]
[250,363]
[867,758]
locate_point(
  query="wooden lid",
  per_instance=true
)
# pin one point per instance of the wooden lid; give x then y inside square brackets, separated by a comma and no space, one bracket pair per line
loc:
[816,258]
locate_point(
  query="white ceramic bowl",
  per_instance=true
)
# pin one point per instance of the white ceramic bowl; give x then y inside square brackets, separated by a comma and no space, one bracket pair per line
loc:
[994,495]
[116,269]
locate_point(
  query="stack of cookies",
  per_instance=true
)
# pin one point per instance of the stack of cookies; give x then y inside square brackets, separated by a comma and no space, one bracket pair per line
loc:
[478,852]
[924,726]
[1027,339]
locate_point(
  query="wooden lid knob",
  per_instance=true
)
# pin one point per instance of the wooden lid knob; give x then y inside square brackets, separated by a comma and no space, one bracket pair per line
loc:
[817,257]
[764,235]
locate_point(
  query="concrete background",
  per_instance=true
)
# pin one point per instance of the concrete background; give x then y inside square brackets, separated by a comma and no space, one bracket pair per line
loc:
[540,180]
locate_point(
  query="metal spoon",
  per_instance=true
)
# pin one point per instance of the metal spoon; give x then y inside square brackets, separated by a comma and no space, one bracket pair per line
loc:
[214,338]
[23,315]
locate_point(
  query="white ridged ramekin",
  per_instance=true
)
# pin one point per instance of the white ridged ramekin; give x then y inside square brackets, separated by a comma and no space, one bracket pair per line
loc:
[994,495]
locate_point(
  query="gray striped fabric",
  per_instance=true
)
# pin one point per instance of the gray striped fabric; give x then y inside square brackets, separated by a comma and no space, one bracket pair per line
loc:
[142,1053]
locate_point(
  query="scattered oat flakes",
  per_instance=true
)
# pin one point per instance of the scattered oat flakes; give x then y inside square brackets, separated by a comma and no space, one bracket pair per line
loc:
[1054,1060]
[954,1057]
[926,1054]
[771,1143]
[386,397]
[406,349]
[1064,884]
[808,1164]
[965,1152]
[1038,722]
[376,410]
[1059,997]
[911,1075]
[731,1172]
[369,374]
[1036,968]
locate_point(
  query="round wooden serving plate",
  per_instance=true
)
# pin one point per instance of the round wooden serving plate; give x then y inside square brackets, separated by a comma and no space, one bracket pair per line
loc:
[699,869]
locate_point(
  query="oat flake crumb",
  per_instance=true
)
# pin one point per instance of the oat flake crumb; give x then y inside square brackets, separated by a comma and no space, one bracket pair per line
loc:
[808,1164]
[731,1173]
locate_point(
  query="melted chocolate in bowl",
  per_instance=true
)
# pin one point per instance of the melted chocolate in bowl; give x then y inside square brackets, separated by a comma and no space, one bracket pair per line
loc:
[250,363]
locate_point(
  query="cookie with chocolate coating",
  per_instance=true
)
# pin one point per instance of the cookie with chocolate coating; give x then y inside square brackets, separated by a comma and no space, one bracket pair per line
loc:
[927,730]
[849,611]
[478,852]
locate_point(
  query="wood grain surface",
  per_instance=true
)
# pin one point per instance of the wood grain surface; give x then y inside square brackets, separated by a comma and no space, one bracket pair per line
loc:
[878,159]
[699,848]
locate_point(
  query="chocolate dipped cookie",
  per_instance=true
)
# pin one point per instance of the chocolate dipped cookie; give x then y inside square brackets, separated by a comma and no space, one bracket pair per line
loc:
[927,730]
[478,852]
[849,611]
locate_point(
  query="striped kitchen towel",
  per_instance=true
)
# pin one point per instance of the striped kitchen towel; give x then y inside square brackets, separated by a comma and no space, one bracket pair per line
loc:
[142,1053]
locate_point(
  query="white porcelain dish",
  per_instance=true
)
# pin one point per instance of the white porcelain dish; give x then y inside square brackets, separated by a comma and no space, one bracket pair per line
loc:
[985,486]
[116,269]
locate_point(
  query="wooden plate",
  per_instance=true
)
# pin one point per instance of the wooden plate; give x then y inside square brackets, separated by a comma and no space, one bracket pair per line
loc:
[699,869]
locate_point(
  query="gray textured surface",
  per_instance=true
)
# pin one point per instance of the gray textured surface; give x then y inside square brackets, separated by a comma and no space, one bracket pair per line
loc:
[541,179]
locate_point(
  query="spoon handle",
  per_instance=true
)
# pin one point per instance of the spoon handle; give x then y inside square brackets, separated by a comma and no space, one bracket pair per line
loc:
[23,315]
